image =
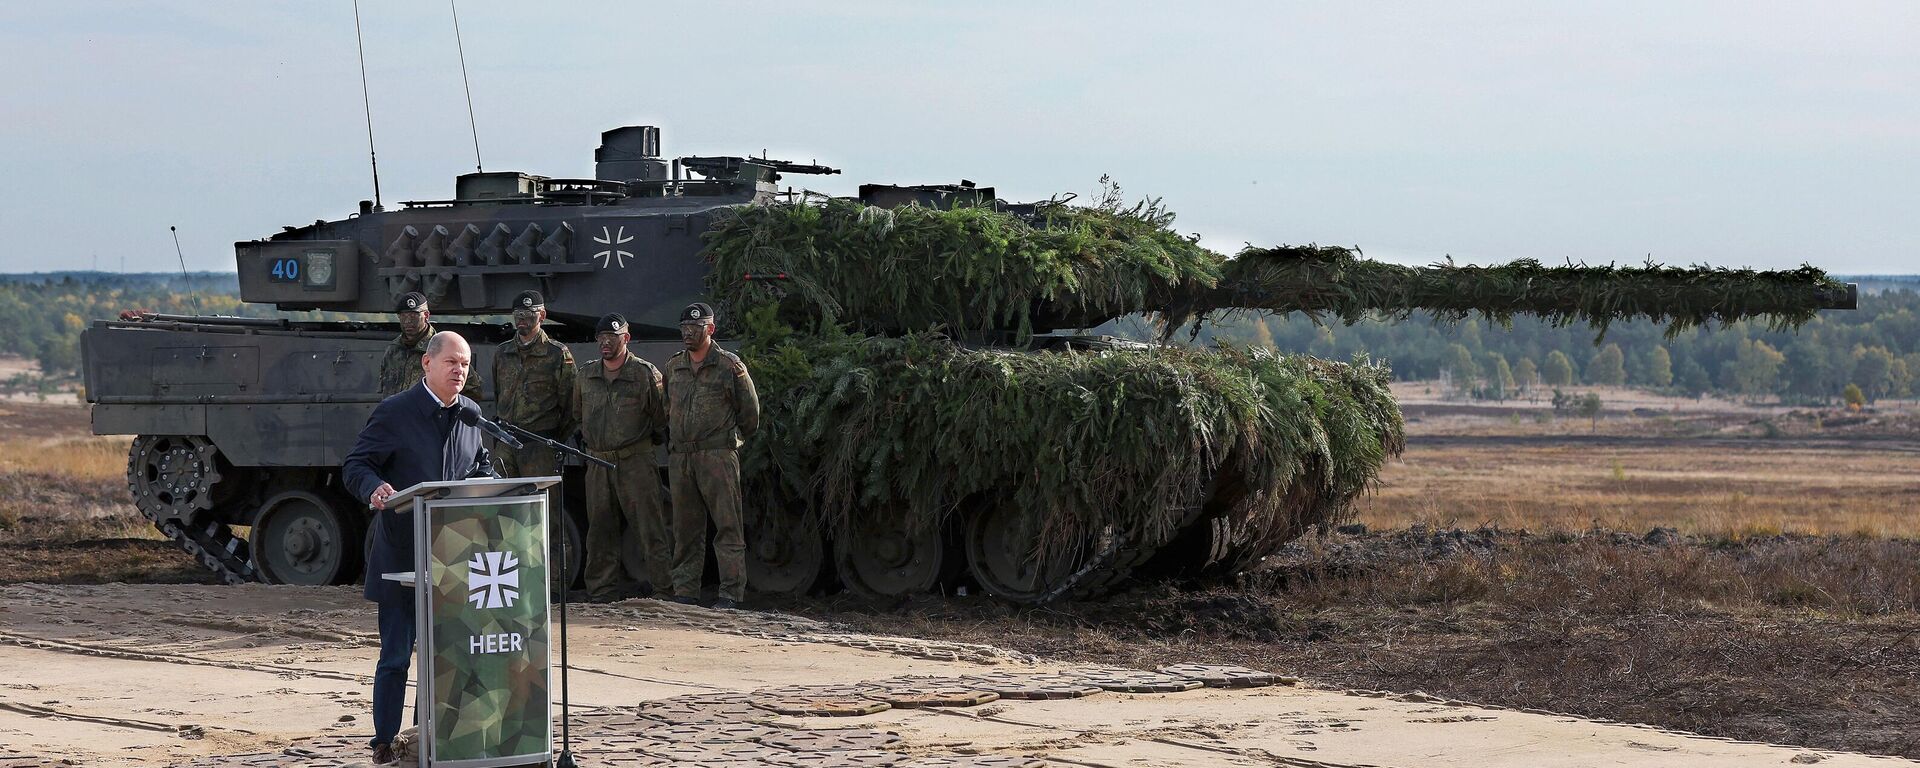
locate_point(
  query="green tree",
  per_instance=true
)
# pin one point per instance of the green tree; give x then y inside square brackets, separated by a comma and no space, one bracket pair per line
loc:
[1459,366]
[60,356]
[1590,407]
[1853,397]
[1756,367]
[1873,371]
[1500,384]
[1526,376]
[1809,370]
[1558,371]
[1659,367]
[1692,377]
[1608,367]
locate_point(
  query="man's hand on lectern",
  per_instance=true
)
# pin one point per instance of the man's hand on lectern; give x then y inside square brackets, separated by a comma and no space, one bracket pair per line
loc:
[380,495]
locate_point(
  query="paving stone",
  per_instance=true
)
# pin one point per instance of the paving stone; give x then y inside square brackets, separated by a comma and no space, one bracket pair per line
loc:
[948,694]
[702,699]
[832,740]
[610,742]
[620,758]
[1135,680]
[693,752]
[713,733]
[973,761]
[842,691]
[1031,685]
[622,721]
[1222,675]
[847,759]
[823,706]
[702,713]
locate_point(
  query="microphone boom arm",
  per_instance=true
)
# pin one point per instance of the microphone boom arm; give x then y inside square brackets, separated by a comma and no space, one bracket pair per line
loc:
[555,445]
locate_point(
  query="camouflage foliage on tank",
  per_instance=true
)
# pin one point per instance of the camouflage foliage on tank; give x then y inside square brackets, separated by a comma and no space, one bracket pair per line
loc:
[1061,266]
[1134,441]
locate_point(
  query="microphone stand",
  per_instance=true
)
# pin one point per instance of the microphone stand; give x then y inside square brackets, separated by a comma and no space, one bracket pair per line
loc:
[560,453]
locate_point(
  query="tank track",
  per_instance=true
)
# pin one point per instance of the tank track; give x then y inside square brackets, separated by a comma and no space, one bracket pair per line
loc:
[172,481]
[216,548]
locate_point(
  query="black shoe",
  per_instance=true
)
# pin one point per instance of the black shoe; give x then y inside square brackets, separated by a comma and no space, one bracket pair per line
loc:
[383,755]
[684,600]
[610,597]
[724,604]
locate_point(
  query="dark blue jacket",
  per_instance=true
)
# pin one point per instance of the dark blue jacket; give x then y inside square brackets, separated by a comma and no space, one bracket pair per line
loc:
[409,439]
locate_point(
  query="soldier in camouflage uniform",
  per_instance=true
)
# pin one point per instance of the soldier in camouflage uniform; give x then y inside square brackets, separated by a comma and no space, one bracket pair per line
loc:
[623,415]
[711,407]
[400,366]
[533,389]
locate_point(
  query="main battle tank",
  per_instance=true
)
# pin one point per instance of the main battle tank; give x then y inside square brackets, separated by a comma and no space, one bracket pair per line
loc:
[937,415]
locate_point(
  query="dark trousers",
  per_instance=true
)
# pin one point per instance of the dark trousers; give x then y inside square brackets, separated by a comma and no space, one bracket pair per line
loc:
[390,676]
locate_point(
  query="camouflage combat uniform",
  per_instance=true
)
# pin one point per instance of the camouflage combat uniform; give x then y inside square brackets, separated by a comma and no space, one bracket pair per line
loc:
[400,367]
[533,389]
[622,417]
[711,407]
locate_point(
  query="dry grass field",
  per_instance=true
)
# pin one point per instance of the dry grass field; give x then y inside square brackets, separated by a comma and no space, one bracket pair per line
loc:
[1713,469]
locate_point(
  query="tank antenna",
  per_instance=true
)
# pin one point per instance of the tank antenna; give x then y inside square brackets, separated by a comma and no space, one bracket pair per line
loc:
[462,47]
[183,268]
[366,102]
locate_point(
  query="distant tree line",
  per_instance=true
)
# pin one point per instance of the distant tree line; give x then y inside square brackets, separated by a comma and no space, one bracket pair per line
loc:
[1874,349]
[43,314]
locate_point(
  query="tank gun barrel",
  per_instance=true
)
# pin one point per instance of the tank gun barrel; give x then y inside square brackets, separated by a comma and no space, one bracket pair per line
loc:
[1336,281]
[975,269]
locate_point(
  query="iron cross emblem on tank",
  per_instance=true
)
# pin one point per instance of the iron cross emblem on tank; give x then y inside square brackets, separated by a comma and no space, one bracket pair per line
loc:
[613,238]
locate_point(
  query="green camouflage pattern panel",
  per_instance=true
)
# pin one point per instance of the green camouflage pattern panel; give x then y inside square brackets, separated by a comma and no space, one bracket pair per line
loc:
[533,386]
[400,367]
[488,627]
[711,404]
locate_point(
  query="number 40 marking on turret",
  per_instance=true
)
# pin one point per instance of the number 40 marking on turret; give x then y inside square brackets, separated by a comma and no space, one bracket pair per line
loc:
[612,239]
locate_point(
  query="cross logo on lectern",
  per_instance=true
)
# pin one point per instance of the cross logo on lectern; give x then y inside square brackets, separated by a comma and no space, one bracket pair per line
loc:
[493,579]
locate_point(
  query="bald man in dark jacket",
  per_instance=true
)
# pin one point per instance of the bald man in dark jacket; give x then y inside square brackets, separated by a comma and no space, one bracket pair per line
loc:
[413,437]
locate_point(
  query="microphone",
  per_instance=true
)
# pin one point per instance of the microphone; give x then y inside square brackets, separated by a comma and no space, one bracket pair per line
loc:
[470,416]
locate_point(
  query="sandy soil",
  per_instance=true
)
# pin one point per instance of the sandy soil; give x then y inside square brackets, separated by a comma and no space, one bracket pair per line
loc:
[119,674]
[14,366]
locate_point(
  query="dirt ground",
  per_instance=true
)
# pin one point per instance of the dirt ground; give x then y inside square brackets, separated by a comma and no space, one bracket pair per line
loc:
[1743,581]
[224,677]
[1795,640]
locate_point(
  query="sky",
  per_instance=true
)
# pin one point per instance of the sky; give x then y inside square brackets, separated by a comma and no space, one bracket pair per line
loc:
[1759,134]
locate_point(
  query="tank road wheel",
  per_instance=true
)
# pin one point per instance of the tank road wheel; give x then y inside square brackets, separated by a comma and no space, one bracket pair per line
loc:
[172,476]
[304,538]
[1002,558]
[785,554]
[884,559]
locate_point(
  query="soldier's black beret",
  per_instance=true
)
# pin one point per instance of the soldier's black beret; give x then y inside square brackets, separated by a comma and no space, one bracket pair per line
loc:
[610,322]
[414,301]
[696,313]
[529,300]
